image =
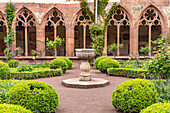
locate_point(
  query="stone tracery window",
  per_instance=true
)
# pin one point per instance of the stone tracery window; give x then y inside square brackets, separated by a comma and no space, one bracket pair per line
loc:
[25,31]
[149,28]
[3,34]
[55,26]
[119,32]
[82,37]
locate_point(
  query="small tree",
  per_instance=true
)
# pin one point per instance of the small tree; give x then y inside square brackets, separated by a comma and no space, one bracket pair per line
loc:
[113,47]
[145,50]
[52,46]
[18,52]
[34,53]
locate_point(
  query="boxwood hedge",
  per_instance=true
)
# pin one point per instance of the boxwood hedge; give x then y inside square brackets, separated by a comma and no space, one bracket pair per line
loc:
[34,95]
[128,72]
[4,70]
[157,108]
[59,63]
[98,60]
[69,62]
[34,74]
[9,108]
[108,63]
[134,95]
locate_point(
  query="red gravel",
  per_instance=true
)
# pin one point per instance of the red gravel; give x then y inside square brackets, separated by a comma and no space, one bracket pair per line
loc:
[96,100]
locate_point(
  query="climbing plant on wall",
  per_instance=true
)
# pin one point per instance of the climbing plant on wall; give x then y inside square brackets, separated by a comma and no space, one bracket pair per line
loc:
[98,31]
[10,14]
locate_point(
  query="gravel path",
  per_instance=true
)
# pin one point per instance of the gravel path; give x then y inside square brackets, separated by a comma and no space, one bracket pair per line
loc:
[95,100]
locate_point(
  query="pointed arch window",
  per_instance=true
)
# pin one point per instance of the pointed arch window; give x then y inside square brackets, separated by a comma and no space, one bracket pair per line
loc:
[149,28]
[119,32]
[82,37]
[55,26]
[2,34]
[26,31]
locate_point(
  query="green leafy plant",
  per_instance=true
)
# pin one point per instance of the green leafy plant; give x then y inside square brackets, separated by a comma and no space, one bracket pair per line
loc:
[52,46]
[157,108]
[162,58]
[10,14]
[5,85]
[97,35]
[9,108]
[134,95]
[18,51]
[108,63]
[163,89]
[59,63]
[4,70]
[13,63]
[34,95]
[34,53]
[98,60]
[24,67]
[113,47]
[145,50]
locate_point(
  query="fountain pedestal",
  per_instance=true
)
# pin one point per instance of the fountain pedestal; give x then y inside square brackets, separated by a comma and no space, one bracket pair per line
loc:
[85,55]
[85,81]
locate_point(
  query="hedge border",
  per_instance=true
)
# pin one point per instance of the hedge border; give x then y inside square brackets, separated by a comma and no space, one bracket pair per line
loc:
[34,74]
[128,72]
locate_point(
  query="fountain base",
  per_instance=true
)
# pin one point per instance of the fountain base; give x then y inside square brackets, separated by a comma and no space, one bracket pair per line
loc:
[94,83]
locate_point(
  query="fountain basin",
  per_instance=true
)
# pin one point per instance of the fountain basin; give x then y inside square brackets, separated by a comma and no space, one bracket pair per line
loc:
[85,54]
[94,83]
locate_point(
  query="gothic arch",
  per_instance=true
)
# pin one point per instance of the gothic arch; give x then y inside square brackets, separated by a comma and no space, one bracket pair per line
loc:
[54,24]
[26,27]
[81,23]
[120,26]
[151,23]
[3,30]
[54,7]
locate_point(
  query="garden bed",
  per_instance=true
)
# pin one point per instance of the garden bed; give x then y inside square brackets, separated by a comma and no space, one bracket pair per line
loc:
[128,72]
[36,73]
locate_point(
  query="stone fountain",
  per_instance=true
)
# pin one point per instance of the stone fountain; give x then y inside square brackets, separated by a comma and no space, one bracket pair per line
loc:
[85,55]
[85,80]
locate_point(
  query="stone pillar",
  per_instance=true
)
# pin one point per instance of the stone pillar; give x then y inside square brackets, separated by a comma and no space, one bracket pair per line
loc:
[26,41]
[105,46]
[69,40]
[41,41]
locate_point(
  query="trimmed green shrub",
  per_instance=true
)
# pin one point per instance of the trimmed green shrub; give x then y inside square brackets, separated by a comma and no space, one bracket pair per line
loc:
[13,63]
[127,72]
[59,63]
[34,95]
[9,108]
[34,74]
[108,63]
[134,95]
[4,70]
[5,85]
[69,62]
[157,108]
[98,60]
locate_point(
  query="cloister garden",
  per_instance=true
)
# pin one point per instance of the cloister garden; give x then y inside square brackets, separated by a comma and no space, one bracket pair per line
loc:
[104,84]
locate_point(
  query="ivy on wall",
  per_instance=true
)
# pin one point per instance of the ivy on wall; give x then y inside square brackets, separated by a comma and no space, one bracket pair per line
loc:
[98,31]
[10,14]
